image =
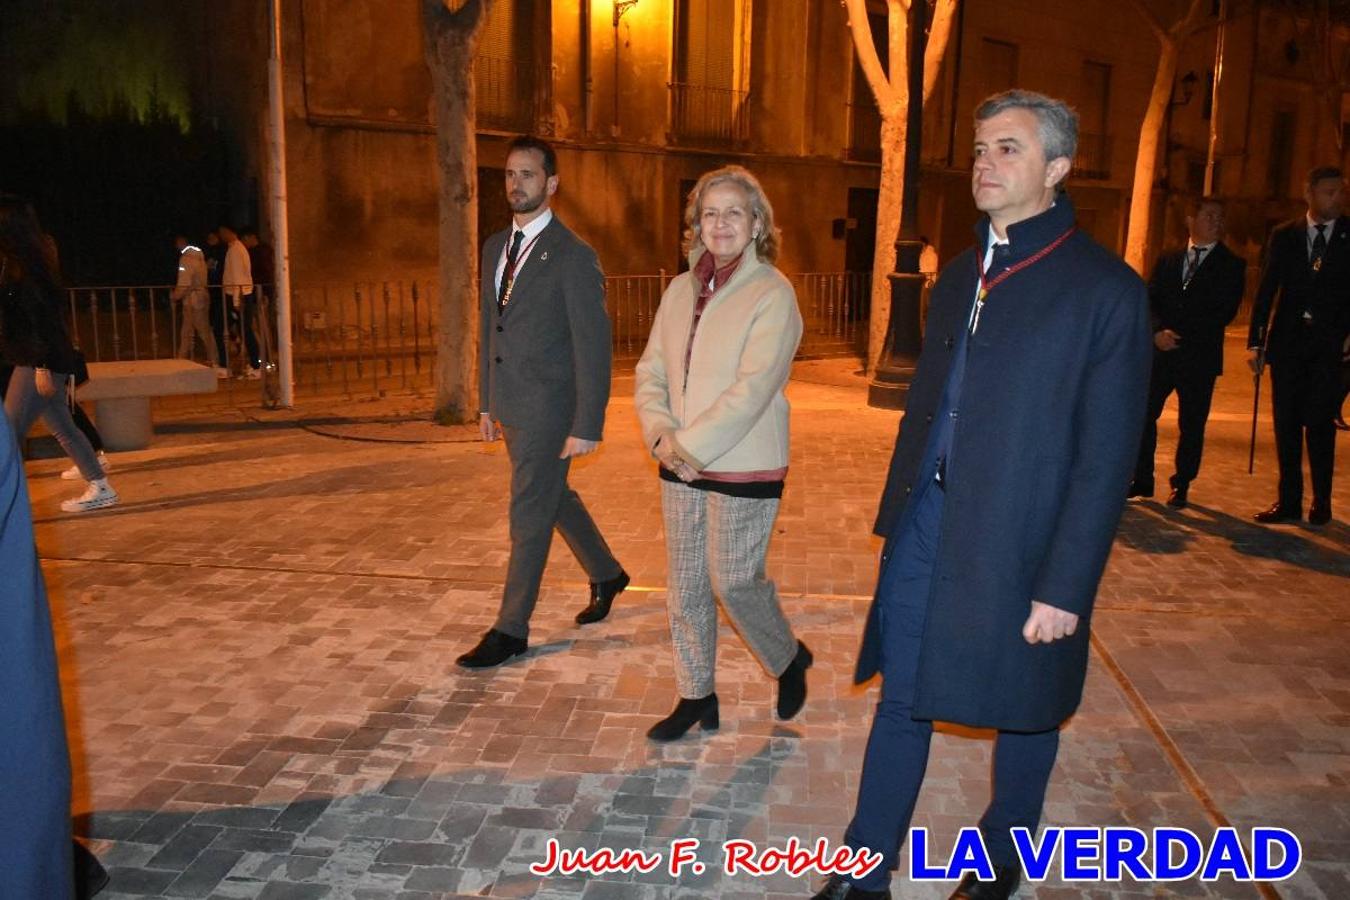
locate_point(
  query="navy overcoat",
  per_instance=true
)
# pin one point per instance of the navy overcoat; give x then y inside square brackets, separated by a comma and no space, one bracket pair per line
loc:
[35,851]
[1042,452]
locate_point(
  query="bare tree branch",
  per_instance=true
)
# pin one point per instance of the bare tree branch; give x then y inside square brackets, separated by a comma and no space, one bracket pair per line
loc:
[866,50]
[1191,22]
[1154,23]
[897,30]
[939,34]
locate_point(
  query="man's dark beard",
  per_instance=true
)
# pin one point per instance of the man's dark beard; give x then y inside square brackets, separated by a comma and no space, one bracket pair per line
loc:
[529,204]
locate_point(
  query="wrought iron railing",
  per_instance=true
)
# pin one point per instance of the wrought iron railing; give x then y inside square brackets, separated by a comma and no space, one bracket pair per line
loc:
[708,115]
[835,308]
[374,337]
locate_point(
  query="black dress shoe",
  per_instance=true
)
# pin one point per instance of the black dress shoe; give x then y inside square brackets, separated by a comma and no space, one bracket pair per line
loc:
[1320,512]
[602,598]
[840,888]
[792,683]
[1278,513]
[90,876]
[1177,499]
[1001,888]
[1140,489]
[495,648]
[687,712]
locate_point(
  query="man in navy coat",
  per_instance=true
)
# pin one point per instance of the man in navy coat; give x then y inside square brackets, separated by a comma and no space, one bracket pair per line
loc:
[1005,489]
[35,846]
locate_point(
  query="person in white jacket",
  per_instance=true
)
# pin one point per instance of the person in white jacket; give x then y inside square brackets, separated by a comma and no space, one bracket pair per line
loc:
[237,283]
[190,291]
[710,398]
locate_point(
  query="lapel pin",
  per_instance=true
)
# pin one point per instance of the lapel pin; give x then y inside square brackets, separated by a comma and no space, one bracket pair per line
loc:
[543,257]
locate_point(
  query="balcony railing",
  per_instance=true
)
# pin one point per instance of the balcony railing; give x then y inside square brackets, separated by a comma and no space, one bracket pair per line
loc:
[708,115]
[505,94]
[1094,157]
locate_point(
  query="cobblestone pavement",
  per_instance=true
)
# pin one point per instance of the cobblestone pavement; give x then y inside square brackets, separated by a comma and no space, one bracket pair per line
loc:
[258,652]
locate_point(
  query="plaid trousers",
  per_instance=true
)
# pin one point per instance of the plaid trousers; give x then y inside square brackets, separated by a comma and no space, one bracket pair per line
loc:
[716,546]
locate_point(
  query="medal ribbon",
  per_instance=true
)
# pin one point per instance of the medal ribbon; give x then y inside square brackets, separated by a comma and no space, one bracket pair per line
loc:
[511,274]
[989,285]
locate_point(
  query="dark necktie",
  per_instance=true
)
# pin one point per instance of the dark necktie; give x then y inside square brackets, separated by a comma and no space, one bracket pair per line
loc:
[1192,263]
[999,261]
[509,272]
[1319,247]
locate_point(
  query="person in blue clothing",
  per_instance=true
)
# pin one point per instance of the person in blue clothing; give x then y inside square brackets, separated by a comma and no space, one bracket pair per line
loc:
[1005,489]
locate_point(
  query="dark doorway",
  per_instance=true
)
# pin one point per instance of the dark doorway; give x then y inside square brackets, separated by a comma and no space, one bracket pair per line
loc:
[682,258]
[493,212]
[860,239]
[860,242]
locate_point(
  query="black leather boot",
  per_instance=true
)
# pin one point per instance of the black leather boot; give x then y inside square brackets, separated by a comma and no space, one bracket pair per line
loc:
[792,683]
[687,712]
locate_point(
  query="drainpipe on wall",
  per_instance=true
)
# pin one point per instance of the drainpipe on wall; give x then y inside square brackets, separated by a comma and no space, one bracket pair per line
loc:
[587,83]
[1214,103]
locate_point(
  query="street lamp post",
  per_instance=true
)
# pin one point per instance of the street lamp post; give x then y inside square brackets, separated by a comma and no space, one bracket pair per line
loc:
[900,350]
[281,231]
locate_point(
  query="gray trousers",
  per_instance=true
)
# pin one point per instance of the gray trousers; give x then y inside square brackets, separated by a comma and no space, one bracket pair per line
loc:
[716,546]
[197,322]
[23,406]
[541,501]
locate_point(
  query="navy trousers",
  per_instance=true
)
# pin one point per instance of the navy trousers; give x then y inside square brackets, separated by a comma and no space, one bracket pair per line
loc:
[897,749]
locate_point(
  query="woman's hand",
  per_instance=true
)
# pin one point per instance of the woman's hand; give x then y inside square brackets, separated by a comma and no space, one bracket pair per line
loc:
[42,379]
[665,454]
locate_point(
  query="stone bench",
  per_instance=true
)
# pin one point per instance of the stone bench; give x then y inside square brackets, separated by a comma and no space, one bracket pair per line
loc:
[121,393]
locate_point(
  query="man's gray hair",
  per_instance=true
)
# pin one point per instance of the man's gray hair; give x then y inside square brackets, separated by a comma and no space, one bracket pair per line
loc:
[1057,123]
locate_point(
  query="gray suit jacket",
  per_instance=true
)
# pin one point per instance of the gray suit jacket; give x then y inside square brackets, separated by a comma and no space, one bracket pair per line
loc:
[544,361]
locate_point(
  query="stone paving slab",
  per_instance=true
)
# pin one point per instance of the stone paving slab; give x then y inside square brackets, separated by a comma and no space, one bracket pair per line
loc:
[257,654]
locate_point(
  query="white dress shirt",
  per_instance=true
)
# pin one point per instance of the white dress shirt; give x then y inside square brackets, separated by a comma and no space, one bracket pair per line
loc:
[532,230]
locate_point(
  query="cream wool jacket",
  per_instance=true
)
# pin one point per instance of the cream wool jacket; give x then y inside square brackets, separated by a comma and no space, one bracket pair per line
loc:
[730,414]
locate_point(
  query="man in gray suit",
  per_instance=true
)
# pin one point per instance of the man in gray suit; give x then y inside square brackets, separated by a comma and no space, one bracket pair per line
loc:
[543,385]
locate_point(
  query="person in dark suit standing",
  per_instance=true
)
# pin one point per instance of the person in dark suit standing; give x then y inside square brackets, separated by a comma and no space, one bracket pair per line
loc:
[1193,294]
[1004,492]
[544,369]
[1307,266]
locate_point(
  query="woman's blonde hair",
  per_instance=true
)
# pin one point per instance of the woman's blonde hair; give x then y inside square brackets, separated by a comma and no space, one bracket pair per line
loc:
[761,211]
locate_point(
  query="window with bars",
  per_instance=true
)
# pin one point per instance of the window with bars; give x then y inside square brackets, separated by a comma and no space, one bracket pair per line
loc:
[504,67]
[1094,112]
[708,96]
[1281,163]
[864,119]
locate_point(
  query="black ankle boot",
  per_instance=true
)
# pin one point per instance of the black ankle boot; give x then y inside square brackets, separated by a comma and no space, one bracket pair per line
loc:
[687,712]
[792,683]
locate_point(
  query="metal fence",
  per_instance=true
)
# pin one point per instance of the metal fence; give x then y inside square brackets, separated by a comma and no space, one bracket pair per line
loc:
[375,337]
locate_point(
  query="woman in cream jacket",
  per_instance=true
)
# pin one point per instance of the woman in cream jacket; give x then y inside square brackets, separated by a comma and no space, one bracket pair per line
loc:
[711,403]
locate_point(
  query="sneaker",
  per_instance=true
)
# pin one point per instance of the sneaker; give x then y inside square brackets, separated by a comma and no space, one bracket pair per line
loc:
[222,372]
[73,473]
[253,374]
[98,495]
